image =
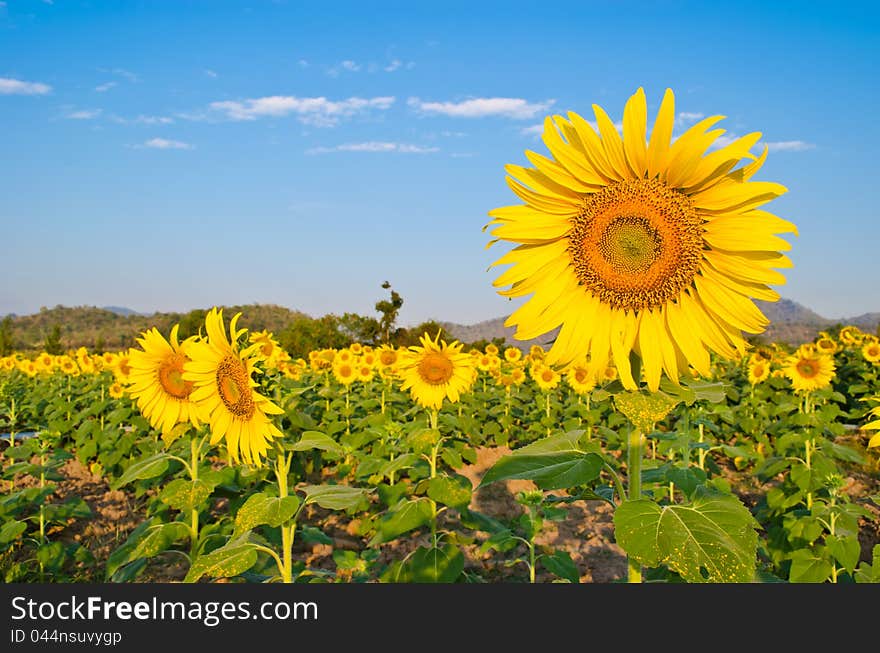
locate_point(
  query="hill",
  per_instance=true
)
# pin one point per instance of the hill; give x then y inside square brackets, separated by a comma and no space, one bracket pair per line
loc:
[100,328]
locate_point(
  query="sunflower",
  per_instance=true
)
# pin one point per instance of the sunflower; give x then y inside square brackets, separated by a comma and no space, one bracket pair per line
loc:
[345,372]
[636,244]
[356,348]
[224,391]
[344,356]
[156,380]
[122,370]
[487,362]
[580,378]
[513,354]
[851,335]
[436,371]
[268,348]
[545,376]
[825,344]
[759,370]
[809,371]
[491,349]
[116,390]
[321,360]
[518,376]
[364,371]
[871,351]
[108,359]
[387,356]
[67,365]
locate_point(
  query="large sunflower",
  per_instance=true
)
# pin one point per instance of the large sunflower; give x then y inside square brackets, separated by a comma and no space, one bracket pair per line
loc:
[156,382]
[435,371]
[224,391]
[640,243]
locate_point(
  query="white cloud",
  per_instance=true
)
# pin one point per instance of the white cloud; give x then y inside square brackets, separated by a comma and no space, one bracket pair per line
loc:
[210,73]
[533,130]
[84,114]
[105,87]
[316,111]
[351,66]
[143,120]
[789,146]
[10,86]
[374,146]
[515,108]
[394,65]
[688,117]
[303,63]
[166,144]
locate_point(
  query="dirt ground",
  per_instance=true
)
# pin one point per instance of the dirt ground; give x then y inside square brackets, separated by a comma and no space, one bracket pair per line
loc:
[587,534]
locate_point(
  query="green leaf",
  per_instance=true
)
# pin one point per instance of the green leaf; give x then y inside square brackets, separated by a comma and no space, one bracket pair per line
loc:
[262,509]
[433,565]
[316,440]
[567,441]
[550,471]
[406,517]
[559,563]
[846,550]
[11,530]
[230,560]
[148,539]
[51,555]
[806,567]
[713,539]
[149,467]
[334,497]
[453,491]
[183,494]
[870,573]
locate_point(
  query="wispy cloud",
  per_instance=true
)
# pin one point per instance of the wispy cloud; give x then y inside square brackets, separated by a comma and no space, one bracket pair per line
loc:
[9,86]
[375,146]
[789,146]
[515,108]
[394,65]
[166,144]
[303,63]
[103,88]
[533,130]
[316,111]
[84,114]
[344,66]
[142,120]
[210,73]
[688,117]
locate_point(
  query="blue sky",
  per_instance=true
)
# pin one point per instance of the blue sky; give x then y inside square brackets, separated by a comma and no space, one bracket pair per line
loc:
[173,155]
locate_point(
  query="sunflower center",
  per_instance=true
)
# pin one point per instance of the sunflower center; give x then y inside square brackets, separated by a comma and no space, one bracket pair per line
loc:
[636,244]
[546,376]
[435,368]
[171,376]
[808,368]
[234,387]
[580,375]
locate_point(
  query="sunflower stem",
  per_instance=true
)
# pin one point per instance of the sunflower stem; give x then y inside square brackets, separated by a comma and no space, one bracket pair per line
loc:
[282,470]
[634,479]
[195,451]
[433,462]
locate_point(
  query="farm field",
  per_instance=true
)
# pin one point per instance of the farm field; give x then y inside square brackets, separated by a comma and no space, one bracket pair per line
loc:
[167,463]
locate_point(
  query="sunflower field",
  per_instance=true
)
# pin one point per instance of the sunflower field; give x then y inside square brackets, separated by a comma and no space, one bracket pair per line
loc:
[651,441]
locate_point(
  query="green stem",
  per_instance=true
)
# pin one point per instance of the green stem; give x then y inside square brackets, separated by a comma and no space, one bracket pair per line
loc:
[194,450]
[282,469]
[808,462]
[433,463]
[531,561]
[634,478]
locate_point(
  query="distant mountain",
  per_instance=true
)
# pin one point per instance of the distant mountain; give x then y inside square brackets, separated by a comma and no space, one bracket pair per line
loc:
[122,310]
[789,322]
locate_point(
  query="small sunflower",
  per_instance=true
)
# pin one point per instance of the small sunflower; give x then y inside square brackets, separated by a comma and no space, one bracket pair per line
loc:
[871,351]
[809,371]
[491,349]
[156,380]
[759,370]
[581,379]
[545,376]
[364,371]
[268,348]
[388,356]
[224,391]
[345,372]
[513,354]
[851,335]
[825,344]
[116,390]
[436,371]
[637,243]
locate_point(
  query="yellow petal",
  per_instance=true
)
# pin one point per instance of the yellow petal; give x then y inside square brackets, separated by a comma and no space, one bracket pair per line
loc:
[542,183]
[729,196]
[635,127]
[560,174]
[661,134]
[581,134]
[545,203]
[568,156]
[612,143]
[734,308]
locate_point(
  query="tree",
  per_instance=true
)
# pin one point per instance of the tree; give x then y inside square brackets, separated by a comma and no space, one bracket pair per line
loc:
[52,343]
[389,308]
[6,346]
